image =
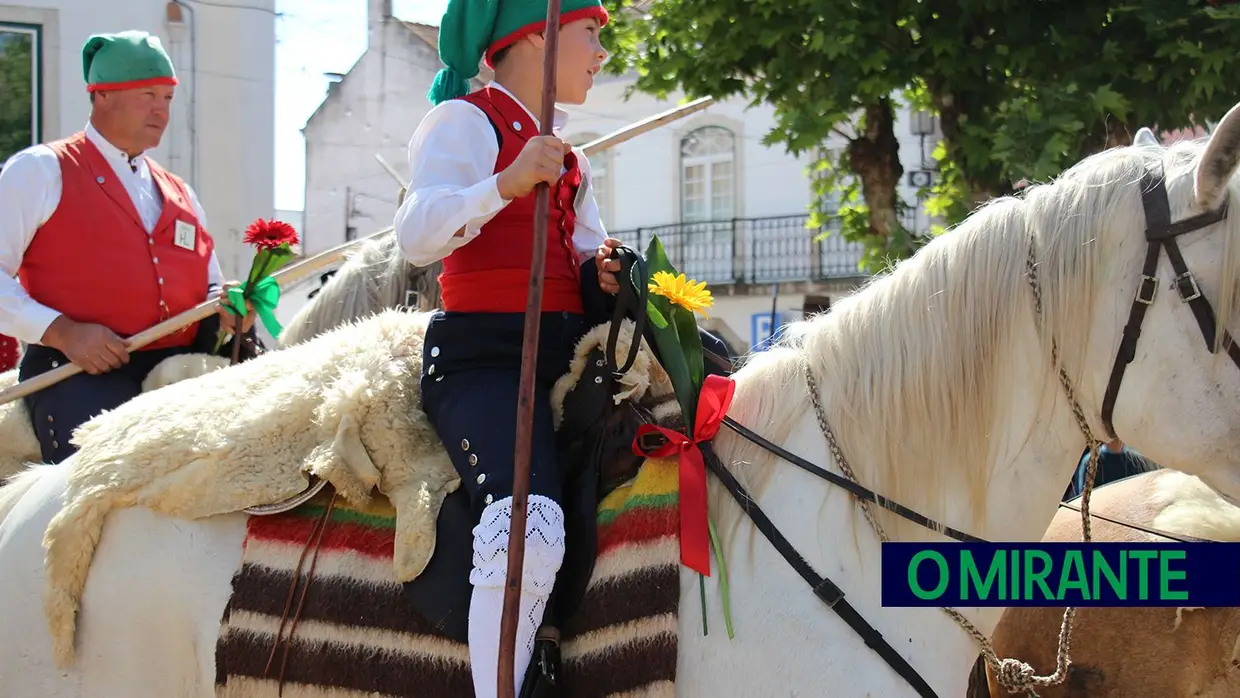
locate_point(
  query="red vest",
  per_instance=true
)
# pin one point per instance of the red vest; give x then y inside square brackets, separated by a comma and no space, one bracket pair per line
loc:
[10,353]
[94,261]
[491,274]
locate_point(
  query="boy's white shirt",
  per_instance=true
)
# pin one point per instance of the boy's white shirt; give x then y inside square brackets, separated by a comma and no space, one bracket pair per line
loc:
[451,187]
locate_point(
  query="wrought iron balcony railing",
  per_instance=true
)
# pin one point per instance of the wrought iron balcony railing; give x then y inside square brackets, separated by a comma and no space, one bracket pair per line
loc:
[752,250]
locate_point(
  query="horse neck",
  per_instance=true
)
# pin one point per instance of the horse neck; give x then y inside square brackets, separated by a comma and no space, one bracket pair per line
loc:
[1034,449]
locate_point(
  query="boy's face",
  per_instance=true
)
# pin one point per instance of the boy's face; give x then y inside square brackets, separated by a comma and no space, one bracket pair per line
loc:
[580,57]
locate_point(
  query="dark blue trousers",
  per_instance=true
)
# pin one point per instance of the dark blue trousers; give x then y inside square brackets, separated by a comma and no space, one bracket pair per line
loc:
[471,374]
[57,410]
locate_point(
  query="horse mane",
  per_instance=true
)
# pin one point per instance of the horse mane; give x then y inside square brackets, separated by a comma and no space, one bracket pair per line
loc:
[913,364]
[375,277]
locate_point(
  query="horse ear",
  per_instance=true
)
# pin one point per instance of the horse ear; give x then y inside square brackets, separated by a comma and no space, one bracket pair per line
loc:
[1219,161]
[1145,137]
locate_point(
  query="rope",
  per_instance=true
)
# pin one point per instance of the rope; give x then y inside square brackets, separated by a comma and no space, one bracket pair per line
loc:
[1012,674]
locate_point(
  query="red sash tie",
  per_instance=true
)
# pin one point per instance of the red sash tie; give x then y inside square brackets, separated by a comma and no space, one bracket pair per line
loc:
[712,407]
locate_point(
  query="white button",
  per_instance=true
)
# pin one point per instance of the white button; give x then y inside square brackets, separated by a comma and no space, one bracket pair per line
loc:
[55,364]
[150,241]
[155,260]
[516,125]
[482,478]
[99,180]
[489,499]
[434,351]
[431,371]
[161,281]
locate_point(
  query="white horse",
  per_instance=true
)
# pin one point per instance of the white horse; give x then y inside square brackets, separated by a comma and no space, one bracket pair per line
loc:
[939,384]
[376,276]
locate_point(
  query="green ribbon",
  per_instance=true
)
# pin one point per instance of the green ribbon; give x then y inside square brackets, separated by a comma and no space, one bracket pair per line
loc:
[264,296]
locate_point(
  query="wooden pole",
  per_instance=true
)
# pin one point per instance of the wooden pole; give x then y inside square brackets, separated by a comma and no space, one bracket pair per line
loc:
[288,276]
[650,123]
[529,366]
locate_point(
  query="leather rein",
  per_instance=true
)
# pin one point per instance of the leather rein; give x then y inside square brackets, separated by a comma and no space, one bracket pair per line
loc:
[1160,233]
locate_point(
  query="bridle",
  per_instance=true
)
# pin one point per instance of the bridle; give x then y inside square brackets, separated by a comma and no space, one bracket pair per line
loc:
[1160,232]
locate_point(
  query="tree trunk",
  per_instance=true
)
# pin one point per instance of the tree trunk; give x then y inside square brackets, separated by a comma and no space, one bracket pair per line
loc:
[875,157]
[983,186]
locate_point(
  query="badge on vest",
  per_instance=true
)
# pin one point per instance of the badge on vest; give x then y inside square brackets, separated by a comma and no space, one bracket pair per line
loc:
[185,235]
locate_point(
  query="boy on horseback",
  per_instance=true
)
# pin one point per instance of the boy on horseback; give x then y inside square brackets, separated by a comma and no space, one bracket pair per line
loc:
[475,160]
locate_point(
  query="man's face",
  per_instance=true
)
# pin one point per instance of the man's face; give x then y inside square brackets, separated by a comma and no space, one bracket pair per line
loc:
[141,114]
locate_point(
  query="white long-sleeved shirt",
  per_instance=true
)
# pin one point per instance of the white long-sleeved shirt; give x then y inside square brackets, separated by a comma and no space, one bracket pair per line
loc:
[452,162]
[30,188]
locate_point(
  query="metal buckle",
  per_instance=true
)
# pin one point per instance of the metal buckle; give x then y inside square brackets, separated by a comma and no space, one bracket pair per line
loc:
[411,299]
[1147,289]
[1192,284]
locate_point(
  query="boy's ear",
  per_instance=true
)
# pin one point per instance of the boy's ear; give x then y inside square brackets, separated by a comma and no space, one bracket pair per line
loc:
[538,39]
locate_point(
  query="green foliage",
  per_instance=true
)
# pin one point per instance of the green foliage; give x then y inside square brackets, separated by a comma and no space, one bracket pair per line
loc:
[17,100]
[1022,89]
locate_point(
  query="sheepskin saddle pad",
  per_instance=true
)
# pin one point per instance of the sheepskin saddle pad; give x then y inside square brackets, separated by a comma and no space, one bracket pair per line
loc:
[317,613]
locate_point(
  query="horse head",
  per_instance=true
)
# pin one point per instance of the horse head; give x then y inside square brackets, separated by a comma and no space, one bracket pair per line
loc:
[1170,267]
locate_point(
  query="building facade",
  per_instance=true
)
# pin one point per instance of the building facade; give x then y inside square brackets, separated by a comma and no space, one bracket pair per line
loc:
[222,132]
[729,210]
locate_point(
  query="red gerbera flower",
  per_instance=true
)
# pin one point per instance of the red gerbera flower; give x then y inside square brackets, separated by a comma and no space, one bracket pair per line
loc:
[270,234]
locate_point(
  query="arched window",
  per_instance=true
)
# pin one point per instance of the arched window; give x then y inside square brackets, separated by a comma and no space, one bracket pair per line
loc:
[708,175]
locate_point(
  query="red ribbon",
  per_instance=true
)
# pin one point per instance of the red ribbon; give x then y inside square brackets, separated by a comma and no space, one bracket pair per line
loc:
[712,407]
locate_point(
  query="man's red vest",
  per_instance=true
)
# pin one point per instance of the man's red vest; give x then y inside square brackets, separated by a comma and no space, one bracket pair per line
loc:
[491,273]
[94,261]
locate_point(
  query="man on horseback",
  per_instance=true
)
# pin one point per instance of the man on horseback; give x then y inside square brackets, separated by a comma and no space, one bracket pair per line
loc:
[103,243]
[475,160]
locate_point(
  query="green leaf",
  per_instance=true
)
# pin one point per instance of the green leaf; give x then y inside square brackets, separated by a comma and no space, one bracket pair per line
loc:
[266,262]
[677,368]
[656,258]
[691,345]
[655,316]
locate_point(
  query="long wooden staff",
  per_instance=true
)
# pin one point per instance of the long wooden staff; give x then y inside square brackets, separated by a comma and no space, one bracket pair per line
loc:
[529,366]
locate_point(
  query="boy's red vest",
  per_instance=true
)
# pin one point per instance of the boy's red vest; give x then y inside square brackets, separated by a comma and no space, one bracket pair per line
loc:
[94,261]
[492,272]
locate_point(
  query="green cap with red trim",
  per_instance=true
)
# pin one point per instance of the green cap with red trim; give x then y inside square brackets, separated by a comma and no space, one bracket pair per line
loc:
[474,30]
[124,61]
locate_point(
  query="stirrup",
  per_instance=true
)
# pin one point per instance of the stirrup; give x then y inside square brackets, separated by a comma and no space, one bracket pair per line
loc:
[316,486]
[542,676]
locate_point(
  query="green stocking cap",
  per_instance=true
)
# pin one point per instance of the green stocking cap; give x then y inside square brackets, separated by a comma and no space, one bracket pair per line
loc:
[474,30]
[125,61]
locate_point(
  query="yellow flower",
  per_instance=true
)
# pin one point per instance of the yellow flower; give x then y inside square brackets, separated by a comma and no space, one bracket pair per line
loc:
[686,293]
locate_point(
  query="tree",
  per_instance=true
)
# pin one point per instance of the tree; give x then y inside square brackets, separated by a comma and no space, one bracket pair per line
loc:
[18,101]
[1022,89]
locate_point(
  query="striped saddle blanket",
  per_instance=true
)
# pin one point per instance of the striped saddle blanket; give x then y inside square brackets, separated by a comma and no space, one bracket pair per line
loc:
[350,632]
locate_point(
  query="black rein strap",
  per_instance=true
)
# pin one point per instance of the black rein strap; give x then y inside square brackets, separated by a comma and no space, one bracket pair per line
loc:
[823,588]
[857,490]
[1161,233]
[630,302]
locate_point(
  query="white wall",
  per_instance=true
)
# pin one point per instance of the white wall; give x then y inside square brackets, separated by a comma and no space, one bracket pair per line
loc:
[644,171]
[222,134]
[375,109]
